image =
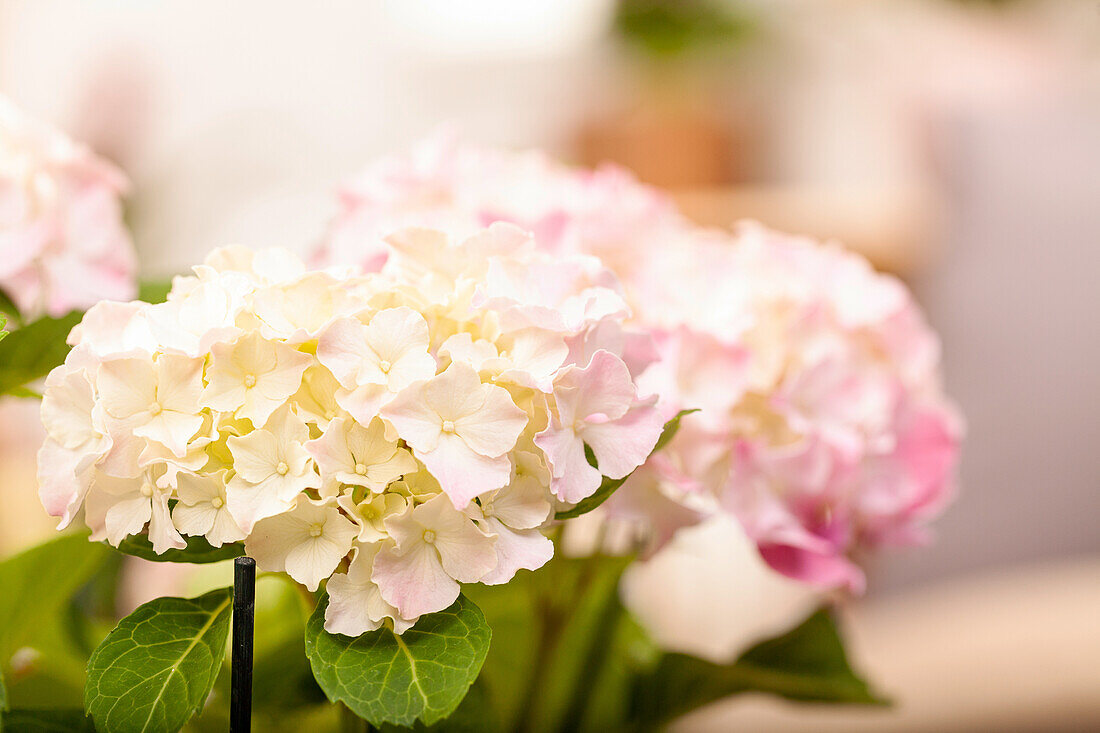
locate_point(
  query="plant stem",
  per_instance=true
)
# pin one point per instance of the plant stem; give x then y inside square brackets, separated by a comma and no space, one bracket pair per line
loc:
[595,658]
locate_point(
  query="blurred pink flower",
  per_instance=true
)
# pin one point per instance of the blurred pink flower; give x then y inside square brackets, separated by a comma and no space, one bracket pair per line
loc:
[63,245]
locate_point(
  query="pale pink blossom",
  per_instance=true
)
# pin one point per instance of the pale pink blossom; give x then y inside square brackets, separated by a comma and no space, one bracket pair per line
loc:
[461,429]
[597,406]
[63,244]
[355,603]
[376,360]
[436,548]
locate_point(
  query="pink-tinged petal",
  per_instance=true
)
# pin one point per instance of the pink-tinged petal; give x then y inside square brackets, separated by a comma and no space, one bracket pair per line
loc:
[623,445]
[417,423]
[414,581]
[572,478]
[822,570]
[343,348]
[364,403]
[516,550]
[62,481]
[462,473]
[331,449]
[466,552]
[493,430]
[603,387]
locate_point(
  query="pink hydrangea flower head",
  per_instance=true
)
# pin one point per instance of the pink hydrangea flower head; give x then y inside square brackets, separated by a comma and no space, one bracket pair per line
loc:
[63,245]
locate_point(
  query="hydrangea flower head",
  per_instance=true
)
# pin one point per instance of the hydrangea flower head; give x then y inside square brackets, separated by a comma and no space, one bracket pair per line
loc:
[382,431]
[63,245]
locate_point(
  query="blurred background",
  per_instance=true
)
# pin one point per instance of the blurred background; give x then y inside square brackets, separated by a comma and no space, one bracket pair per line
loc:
[956,144]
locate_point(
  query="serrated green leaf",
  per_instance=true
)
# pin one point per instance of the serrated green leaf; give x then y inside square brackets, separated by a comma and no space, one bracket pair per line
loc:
[609,486]
[46,721]
[421,675]
[157,667]
[30,352]
[198,550]
[806,664]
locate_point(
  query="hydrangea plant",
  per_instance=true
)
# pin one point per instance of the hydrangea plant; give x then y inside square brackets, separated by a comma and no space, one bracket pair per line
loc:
[405,433]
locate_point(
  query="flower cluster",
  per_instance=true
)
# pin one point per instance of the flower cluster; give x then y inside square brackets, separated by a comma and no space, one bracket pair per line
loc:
[444,184]
[63,245]
[397,433]
[823,426]
[825,429]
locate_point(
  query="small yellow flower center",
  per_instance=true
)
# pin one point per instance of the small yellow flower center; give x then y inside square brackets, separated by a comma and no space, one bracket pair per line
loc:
[578,426]
[487,508]
[385,366]
[315,530]
[146,489]
[369,514]
[217,502]
[282,468]
[155,409]
[429,536]
[250,380]
[361,469]
[448,426]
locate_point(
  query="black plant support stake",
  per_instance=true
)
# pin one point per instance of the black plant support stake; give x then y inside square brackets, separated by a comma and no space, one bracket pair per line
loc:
[244,622]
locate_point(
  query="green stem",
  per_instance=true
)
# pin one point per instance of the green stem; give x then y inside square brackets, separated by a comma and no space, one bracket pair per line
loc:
[549,630]
[595,659]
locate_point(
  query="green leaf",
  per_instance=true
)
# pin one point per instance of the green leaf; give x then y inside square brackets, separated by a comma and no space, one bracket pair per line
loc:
[154,291]
[609,486]
[421,675]
[39,582]
[46,721]
[198,550]
[3,326]
[8,309]
[32,351]
[806,664]
[158,665]
[671,428]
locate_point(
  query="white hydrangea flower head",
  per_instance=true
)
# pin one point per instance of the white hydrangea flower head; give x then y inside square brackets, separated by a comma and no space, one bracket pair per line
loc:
[396,433]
